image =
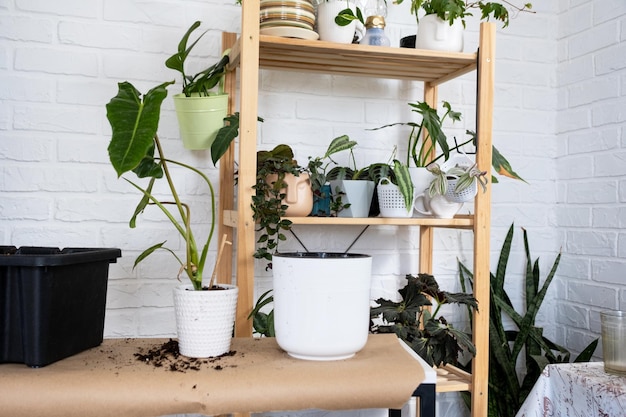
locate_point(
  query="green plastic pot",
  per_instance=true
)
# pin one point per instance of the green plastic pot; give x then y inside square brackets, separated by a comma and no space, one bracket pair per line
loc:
[199,118]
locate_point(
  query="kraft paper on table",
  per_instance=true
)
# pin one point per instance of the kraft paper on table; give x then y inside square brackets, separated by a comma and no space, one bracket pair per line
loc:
[109,380]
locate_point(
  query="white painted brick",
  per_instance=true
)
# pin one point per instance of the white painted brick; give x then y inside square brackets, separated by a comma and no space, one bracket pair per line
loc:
[56,61]
[123,296]
[576,167]
[51,178]
[25,148]
[27,88]
[99,36]
[24,208]
[57,119]
[80,8]
[621,245]
[587,294]
[597,38]
[18,28]
[610,60]
[608,10]
[609,217]
[592,192]
[336,111]
[610,165]
[573,216]
[593,140]
[156,322]
[120,323]
[609,271]
[574,70]
[164,14]
[57,235]
[598,88]
[611,112]
[575,20]
[591,243]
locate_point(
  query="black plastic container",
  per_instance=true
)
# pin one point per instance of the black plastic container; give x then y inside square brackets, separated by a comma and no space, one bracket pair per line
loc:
[52,302]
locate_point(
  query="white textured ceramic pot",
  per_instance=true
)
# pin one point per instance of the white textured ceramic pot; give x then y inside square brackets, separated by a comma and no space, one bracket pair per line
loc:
[330,31]
[205,320]
[437,34]
[357,193]
[321,304]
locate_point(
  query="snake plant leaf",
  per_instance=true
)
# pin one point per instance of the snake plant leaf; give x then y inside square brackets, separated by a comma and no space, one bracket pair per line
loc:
[134,121]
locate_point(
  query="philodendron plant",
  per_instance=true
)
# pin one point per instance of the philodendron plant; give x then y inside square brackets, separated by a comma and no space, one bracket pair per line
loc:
[203,82]
[135,147]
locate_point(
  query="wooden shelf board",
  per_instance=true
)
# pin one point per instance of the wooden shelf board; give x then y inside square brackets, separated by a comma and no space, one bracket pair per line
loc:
[458,222]
[360,60]
[453,379]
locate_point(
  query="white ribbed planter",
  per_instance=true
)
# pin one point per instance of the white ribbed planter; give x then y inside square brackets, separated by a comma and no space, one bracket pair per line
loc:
[205,320]
[321,304]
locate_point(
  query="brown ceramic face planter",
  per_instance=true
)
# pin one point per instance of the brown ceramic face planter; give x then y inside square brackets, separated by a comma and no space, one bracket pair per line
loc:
[298,194]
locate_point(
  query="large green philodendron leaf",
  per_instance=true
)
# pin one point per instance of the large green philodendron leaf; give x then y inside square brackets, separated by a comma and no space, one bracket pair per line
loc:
[134,121]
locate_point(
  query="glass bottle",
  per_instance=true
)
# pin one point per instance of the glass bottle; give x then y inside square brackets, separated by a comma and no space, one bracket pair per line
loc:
[374,32]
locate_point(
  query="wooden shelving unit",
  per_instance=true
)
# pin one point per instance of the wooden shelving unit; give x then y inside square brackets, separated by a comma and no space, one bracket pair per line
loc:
[252,51]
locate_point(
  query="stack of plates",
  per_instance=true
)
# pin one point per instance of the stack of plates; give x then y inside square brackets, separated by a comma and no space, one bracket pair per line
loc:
[290,18]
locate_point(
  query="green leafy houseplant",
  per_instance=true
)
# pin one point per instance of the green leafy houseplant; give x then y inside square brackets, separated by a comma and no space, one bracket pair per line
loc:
[267,203]
[428,143]
[135,147]
[201,83]
[451,10]
[507,391]
[429,334]
[318,167]
[465,176]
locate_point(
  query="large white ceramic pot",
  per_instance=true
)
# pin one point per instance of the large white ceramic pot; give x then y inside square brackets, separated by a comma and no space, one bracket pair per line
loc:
[437,34]
[200,118]
[205,320]
[357,193]
[321,304]
[330,31]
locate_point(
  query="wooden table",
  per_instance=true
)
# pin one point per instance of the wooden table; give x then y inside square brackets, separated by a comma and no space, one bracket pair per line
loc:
[576,389]
[112,380]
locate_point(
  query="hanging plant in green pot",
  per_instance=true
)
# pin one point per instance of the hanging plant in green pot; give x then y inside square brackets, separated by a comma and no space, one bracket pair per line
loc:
[203,104]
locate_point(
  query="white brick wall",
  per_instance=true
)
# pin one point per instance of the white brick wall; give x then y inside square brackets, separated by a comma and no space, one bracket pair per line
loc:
[591,167]
[559,118]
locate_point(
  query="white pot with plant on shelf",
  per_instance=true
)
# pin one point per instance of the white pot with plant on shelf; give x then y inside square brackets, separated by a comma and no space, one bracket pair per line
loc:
[337,20]
[442,26]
